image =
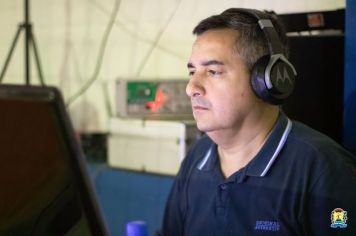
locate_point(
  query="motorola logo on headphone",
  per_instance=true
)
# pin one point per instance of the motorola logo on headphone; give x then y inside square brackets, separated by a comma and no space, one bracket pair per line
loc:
[280,78]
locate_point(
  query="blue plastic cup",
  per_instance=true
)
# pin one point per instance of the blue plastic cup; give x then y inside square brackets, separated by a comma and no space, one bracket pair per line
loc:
[136,228]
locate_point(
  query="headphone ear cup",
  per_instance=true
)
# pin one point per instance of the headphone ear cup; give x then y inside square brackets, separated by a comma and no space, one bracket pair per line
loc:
[280,77]
[258,80]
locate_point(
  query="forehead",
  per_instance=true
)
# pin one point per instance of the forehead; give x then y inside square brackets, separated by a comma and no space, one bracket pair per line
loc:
[218,43]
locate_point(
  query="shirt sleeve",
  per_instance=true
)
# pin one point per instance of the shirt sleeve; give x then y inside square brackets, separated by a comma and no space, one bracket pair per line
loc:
[331,207]
[174,214]
[177,204]
[173,217]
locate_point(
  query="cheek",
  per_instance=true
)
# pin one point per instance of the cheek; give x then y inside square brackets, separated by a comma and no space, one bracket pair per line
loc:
[229,104]
[235,104]
[232,98]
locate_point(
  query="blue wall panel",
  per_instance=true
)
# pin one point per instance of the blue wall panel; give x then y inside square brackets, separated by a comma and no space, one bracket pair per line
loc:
[349,136]
[126,196]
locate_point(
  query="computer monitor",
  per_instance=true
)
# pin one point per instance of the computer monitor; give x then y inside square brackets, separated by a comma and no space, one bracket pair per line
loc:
[44,185]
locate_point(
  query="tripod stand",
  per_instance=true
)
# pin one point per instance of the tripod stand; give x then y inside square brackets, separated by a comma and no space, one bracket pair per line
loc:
[29,41]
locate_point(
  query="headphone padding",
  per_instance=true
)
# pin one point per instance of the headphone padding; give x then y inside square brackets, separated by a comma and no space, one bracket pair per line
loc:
[258,82]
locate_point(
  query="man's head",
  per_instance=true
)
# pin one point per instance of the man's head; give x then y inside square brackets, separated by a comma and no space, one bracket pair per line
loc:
[220,65]
[251,42]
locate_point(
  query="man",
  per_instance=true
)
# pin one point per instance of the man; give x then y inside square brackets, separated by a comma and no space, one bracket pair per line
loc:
[255,172]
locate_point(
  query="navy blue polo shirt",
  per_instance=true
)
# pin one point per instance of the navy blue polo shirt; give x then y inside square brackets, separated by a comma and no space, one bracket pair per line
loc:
[300,183]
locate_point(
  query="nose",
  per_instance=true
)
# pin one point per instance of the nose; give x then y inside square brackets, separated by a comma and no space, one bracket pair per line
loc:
[194,87]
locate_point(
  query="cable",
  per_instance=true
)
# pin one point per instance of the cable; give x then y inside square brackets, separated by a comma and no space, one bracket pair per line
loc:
[155,42]
[107,100]
[103,45]
[134,34]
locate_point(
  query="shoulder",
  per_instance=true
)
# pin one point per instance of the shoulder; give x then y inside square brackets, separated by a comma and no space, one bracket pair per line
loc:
[312,140]
[313,146]
[329,168]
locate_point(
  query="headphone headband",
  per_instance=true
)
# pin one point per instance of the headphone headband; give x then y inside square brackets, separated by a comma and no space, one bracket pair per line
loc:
[266,25]
[272,76]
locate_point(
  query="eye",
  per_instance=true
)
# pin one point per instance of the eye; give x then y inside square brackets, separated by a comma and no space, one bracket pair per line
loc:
[191,73]
[214,72]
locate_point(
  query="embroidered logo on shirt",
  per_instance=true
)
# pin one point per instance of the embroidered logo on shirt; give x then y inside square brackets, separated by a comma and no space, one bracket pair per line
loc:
[338,218]
[266,225]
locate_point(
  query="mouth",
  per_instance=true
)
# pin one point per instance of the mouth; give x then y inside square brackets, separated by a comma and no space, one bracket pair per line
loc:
[200,104]
[199,108]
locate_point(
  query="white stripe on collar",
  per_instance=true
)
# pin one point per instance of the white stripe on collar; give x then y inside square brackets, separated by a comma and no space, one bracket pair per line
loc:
[205,159]
[279,147]
[274,156]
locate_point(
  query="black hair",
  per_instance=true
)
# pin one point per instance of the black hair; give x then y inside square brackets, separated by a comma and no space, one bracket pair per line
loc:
[251,43]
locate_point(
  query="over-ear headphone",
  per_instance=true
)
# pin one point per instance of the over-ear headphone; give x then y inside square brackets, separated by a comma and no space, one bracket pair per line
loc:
[273,76]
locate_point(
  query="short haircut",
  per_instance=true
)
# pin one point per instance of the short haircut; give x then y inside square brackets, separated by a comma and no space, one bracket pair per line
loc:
[251,43]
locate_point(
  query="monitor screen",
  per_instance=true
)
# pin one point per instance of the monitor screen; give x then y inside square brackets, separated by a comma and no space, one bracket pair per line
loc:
[45,189]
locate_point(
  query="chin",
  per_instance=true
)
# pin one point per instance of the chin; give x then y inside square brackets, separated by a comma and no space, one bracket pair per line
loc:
[204,127]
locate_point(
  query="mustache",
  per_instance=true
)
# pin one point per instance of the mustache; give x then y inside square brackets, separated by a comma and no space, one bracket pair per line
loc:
[200,101]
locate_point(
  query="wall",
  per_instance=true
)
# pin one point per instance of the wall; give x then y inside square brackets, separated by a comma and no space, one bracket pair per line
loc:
[88,44]
[350,79]
[126,196]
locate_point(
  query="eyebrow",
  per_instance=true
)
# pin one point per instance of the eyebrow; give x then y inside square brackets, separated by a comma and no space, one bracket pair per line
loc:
[206,63]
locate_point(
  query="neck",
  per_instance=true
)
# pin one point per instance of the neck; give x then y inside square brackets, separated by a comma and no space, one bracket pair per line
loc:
[238,146]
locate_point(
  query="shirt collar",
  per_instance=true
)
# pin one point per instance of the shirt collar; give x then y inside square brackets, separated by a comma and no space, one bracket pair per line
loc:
[261,164]
[263,161]
[210,159]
